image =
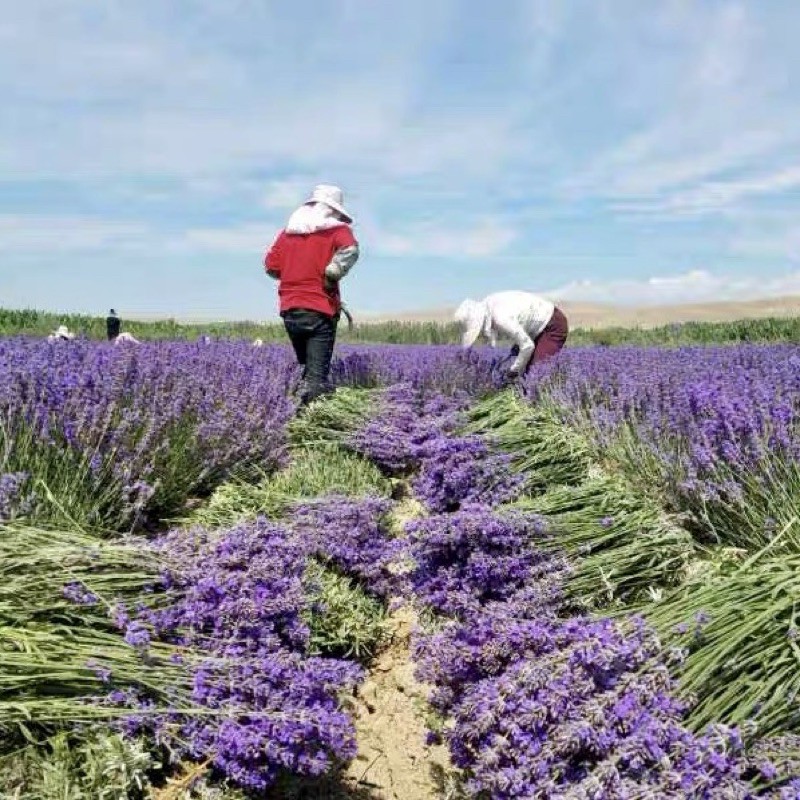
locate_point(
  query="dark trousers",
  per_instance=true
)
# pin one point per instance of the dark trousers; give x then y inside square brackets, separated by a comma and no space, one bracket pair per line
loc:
[552,338]
[312,335]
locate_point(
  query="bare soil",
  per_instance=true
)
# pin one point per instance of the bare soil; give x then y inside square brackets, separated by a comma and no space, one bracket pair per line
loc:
[393,761]
[601,315]
[388,709]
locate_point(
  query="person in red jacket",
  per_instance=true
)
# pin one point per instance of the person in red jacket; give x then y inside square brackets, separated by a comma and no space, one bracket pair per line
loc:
[308,258]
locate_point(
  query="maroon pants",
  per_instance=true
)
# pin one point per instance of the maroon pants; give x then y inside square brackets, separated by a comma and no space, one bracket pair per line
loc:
[551,339]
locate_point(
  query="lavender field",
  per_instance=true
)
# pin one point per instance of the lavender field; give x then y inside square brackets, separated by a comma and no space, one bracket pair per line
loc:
[587,585]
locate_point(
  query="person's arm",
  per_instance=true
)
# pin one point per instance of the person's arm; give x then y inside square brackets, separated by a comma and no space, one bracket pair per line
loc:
[489,332]
[273,257]
[512,328]
[345,257]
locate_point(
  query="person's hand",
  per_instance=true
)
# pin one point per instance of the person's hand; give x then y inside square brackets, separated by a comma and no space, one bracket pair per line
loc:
[512,374]
[330,284]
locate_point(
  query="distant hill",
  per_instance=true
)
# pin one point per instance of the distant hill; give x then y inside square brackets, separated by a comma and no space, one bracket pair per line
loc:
[598,315]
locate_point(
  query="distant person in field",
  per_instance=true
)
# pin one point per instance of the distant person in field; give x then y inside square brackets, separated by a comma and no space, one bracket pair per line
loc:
[61,334]
[113,325]
[537,327]
[308,258]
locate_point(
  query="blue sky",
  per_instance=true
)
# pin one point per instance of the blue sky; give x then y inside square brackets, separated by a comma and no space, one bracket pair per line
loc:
[598,150]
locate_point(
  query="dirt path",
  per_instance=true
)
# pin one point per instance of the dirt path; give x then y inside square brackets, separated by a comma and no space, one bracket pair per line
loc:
[393,761]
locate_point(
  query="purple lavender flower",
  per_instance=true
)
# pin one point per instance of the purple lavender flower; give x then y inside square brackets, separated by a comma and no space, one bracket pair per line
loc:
[463,470]
[137,635]
[14,501]
[472,557]
[103,673]
[351,535]
[123,416]
[395,439]
[79,594]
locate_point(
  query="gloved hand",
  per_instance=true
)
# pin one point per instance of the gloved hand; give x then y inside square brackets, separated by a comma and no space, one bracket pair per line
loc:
[512,374]
[330,284]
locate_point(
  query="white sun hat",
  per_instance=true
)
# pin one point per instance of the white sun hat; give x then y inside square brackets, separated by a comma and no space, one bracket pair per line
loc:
[63,332]
[331,196]
[470,315]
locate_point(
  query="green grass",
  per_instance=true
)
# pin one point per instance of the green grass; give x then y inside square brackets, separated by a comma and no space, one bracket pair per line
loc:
[625,549]
[40,323]
[740,629]
[314,471]
[542,446]
[343,620]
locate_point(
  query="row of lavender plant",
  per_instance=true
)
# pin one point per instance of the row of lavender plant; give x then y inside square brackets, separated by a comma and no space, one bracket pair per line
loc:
[716,431]
[241,690]
[536,704]
[252,699]
[539,706]
[714,428]
[105,434]
[136,431]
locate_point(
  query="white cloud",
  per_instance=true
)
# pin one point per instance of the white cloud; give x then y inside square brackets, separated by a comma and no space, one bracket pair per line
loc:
[249,238]
[711,119]
[48,234]
[770,241]
[695,286]
[723,60]
[574,130]
[644,168]
[140,89]
[486,237]
[286,194]
[714,195]
[42,235]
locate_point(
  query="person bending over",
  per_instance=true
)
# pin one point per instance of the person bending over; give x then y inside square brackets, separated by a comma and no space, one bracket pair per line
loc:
[537,327]
[308,258]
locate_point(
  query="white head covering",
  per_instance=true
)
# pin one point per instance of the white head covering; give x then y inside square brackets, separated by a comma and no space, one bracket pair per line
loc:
[471,315]
[331,196]
[63,332]
[312,218]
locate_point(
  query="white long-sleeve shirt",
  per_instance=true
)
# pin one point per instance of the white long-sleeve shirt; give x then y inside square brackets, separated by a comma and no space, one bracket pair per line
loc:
[519,316]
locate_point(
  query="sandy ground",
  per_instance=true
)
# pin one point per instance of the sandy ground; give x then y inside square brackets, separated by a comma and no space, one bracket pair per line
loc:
[582,315]
[388,709]
[595,315]
[393,761]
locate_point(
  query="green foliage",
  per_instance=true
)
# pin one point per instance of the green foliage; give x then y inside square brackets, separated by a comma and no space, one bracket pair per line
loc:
[100,765]
[625,549]
[767,329]
[333,418]
[314,471]
[542,446]
[41,323]
[740,629]
[344,621]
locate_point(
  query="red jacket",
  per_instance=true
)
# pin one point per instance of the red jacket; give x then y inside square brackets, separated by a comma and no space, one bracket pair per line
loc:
[298,261]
